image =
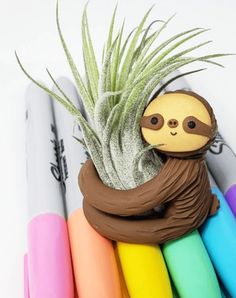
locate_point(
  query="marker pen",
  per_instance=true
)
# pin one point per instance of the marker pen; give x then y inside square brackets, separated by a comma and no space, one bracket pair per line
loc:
[144,270]
[94,263]
[190,267]
[219,236]
[49,261]
[26,277]
[222,163]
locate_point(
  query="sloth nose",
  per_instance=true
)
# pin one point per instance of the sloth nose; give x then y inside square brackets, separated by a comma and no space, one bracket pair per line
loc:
[172,123]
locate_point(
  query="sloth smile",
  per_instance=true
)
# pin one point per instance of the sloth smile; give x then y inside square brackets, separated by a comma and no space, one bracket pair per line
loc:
[173,133]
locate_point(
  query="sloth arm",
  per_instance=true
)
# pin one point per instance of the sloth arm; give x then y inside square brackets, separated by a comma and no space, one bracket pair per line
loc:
[174,177]
[187,213]
[149,231]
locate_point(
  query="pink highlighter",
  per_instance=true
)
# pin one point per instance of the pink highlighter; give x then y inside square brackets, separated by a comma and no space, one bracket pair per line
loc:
[48,269]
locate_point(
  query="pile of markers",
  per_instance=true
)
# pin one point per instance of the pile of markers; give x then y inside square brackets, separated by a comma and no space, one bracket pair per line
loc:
[67,258]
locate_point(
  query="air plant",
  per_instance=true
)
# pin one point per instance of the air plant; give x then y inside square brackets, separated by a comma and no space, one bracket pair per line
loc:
[115,95]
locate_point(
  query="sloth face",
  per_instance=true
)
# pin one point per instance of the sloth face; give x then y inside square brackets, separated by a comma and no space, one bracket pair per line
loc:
[180,122]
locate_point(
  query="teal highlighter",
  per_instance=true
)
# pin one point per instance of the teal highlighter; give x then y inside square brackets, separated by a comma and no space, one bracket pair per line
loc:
[190,267]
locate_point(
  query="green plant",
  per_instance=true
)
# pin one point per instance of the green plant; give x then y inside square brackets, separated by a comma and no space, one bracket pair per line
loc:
[115,96]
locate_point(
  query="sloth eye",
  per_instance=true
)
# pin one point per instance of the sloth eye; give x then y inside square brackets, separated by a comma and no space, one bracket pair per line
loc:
[154,120]
[195,126]
[191,124]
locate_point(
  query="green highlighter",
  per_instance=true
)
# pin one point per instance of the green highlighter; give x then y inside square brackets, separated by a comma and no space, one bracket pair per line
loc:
[190,267]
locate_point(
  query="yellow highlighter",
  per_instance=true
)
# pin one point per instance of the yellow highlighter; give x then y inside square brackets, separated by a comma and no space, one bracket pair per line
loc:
[144,270]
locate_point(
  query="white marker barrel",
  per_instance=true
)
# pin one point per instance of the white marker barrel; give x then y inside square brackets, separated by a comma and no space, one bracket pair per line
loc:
[49,260]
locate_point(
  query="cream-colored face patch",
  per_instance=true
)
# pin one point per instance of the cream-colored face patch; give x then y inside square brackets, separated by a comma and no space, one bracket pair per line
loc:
[174,109]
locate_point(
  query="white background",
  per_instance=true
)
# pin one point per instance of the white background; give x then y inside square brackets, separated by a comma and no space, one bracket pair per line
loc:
[28,26]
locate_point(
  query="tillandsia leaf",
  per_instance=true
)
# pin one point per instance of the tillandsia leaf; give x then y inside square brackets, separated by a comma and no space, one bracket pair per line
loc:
[153,54]
[206,58]
[88,87]
[122,159]
[133,96]
[167,62]
[131,145]
[124,46]
[108,84]
[83,92]
[95,151]
[106,150]
[113,154]
[128,121]
[217,55]
[123,168]
[139,65]
[90,44]
[71,108]
[184,74]
[94,147]
[81,141]
[172,48]
[144,40]
[138,157]
[212,62]
[111,29]
[161,65]
[116,61]
[105,67]
[135,144]
[102,106]
[112,93]
[60,90]
[89,57]
[138,71]
[129,56]
[103,52]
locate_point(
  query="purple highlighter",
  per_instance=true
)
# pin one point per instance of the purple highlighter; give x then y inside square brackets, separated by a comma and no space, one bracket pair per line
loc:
[48,269]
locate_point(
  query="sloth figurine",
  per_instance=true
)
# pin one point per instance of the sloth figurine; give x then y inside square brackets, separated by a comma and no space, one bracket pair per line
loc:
[185,126]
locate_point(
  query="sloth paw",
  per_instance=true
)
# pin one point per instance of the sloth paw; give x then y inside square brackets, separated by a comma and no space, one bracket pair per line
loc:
[215,205]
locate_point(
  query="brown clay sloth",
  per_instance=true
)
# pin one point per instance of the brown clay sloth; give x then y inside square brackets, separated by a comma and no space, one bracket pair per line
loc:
[185,124]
